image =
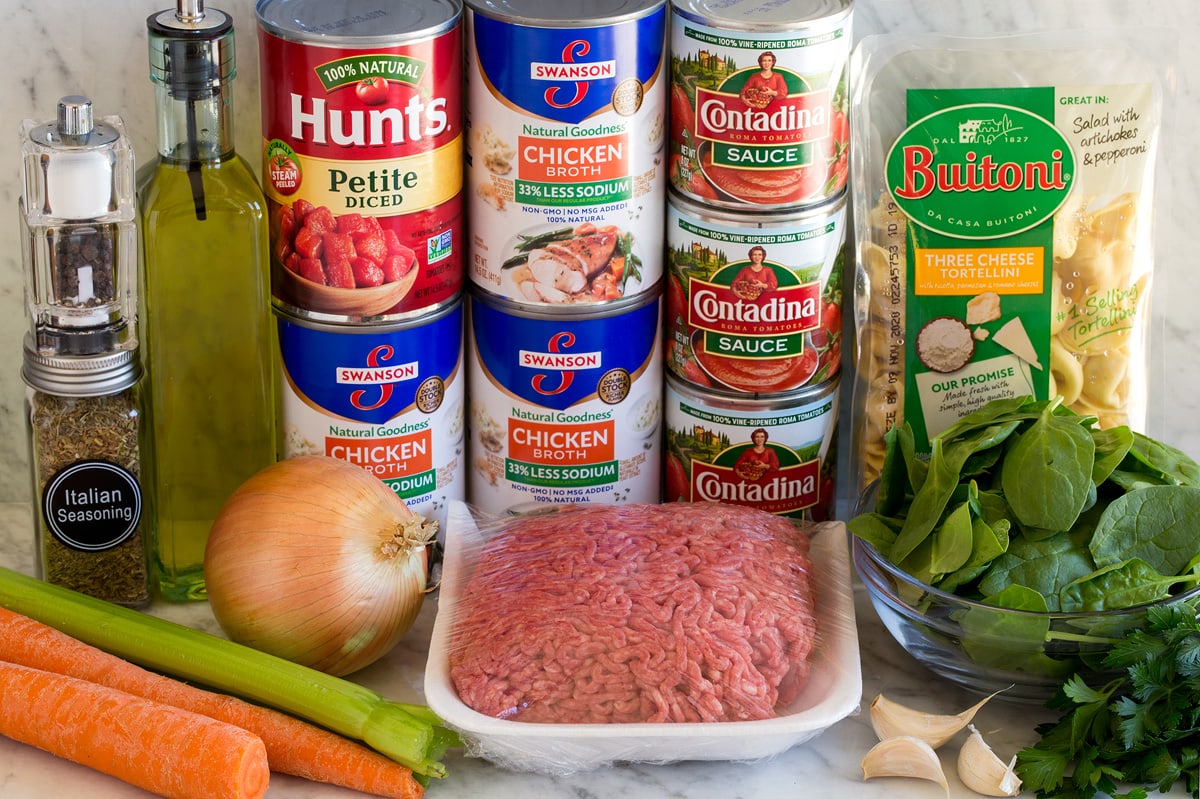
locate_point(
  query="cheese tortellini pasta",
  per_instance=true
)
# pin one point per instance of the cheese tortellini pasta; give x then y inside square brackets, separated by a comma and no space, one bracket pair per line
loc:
[1094,351]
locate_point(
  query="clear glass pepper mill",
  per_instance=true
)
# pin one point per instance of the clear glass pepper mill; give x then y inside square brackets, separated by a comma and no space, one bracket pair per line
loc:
[81,368]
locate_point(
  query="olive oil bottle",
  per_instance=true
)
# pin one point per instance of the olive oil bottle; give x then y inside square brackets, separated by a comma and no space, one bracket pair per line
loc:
[205,310]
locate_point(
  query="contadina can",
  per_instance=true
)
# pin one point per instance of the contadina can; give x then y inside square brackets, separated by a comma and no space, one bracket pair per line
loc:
[566,113]
[754,301]
[389,398]
[776,454]
[759,101]
[564,408]
[362,156]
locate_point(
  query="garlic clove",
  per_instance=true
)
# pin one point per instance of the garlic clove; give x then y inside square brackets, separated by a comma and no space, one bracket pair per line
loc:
[890,719]
[983,772]
[904,756]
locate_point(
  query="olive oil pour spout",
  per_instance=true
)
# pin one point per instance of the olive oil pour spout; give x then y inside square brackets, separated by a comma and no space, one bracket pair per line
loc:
[191,53]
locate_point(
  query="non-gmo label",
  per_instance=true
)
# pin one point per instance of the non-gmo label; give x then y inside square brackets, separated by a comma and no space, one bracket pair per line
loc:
[92,505]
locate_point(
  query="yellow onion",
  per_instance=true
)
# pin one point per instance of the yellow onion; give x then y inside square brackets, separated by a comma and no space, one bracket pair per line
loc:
[316,560]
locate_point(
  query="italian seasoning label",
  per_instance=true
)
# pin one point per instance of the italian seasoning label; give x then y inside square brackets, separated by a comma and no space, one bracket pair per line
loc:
[1024,257]
[92,505]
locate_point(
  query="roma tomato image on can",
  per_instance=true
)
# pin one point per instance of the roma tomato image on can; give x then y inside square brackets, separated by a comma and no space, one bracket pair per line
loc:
[362,156]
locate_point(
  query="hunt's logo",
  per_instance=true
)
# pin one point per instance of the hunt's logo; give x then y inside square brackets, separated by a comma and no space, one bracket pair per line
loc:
[577,73]
[377,373]
[760,475]
[980,171]
[557,365]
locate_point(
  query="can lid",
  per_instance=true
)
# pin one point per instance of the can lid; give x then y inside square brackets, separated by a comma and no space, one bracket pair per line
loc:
[79,375]
[355,23]
[566,13]
[755,15]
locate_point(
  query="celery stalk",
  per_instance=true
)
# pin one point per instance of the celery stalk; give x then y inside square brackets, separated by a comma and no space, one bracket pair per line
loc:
[405,733]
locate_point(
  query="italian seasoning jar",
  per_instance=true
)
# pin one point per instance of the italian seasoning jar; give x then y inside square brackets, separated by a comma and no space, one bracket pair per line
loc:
[84,414]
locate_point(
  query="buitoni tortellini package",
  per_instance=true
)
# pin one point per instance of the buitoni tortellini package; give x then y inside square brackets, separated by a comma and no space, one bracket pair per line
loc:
[1004,197]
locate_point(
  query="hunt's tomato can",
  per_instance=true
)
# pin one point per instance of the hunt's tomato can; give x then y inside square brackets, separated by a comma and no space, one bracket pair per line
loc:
[754,300]
[362,156]
[565,407]
[388,397]
[777,454]
[759,101]
[566,175]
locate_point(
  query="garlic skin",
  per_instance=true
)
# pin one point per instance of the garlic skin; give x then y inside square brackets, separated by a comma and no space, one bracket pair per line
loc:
[983,772]
[891,719]
[904,756]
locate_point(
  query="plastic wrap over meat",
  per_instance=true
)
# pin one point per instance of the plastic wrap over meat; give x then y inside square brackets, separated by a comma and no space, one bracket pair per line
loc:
[584,635]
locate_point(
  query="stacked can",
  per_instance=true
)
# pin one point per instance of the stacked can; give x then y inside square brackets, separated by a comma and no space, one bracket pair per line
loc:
[362,169]
[565,184]
[756,229]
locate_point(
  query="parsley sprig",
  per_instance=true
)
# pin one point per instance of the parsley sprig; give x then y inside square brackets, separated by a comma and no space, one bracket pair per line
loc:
[1141,729]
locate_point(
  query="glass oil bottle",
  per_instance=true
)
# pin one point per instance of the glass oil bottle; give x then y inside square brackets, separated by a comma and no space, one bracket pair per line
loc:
[206,320]
[81,367]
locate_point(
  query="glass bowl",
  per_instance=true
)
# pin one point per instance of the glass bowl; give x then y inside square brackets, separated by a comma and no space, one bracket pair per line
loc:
[1024,654]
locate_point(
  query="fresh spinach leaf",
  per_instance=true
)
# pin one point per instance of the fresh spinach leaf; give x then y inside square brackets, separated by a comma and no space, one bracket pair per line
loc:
[1011,641]
[1112,445]
[1042,566]
[1047,472]
[1118,586]
[1157,524]
[945,465]
[1169,465]
[876,529]
[987,544]
[952,541]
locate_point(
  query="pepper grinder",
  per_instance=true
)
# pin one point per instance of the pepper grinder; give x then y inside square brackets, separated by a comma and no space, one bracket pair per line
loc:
[81,367]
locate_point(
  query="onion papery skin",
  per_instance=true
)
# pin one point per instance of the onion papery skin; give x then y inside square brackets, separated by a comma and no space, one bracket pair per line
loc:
[316,560]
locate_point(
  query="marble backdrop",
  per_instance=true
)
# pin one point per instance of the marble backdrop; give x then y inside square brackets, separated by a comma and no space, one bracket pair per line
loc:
[49,48]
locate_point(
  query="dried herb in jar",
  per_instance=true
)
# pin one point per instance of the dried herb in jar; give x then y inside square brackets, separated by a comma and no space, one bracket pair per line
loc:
[86,467]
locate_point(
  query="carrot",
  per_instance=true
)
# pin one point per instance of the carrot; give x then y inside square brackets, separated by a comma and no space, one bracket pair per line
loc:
[162,749]
[293,746]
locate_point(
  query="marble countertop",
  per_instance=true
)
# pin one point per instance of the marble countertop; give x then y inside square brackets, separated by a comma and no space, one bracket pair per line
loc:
[827,765]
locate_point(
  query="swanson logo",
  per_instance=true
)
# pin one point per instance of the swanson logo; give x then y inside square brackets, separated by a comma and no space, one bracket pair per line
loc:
[980,171]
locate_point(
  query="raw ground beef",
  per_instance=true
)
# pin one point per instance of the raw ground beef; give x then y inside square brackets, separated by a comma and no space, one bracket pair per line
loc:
[640,613]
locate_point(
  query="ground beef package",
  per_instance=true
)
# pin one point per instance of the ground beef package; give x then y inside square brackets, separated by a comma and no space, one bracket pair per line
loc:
[639,613]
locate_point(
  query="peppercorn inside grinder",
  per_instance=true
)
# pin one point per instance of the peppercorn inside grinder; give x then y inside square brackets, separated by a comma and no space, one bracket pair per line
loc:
[79,242]
[81,367]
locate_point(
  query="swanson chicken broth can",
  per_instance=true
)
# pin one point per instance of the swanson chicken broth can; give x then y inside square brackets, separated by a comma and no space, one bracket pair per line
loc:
[388,397]
[777,454]
[362,156]
[564,407]
[754,300]
[759,101]
[565,176]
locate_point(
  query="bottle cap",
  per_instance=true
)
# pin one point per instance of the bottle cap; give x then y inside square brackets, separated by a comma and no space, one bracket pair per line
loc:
[191,49]
[79,375]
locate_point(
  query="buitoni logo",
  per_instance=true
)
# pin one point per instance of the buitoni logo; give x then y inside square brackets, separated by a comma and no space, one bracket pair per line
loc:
[980,171]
